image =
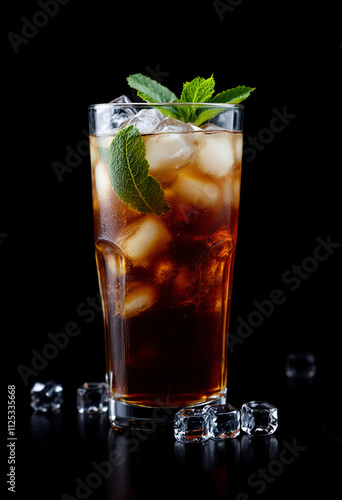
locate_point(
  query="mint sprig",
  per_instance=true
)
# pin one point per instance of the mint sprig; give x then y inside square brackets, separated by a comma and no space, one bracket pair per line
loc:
[128,170]
[152,91]
[198,90]
[126,155]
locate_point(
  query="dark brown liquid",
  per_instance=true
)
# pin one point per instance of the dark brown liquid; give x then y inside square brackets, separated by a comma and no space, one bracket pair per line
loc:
[166,313]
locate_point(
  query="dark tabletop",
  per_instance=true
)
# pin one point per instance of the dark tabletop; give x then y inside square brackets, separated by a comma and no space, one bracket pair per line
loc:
[66,455]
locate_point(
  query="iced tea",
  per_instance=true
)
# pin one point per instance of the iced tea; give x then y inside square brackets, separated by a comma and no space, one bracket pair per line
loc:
[166,279]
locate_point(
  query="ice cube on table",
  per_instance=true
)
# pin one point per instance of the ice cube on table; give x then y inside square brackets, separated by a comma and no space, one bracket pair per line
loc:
[196,191]
[224,421]
[46,396]
[300,365]
[191,425]
[144,239]
[215,154]
[92,398]
[146,120]
[139,299]
[102,181]
[259,418]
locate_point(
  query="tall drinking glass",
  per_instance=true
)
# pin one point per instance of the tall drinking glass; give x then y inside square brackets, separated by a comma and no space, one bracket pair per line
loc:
[166,279]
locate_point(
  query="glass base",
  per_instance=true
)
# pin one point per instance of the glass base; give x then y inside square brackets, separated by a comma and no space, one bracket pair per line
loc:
[147,418]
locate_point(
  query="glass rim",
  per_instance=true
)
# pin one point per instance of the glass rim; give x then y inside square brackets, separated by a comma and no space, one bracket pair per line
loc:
[211,105]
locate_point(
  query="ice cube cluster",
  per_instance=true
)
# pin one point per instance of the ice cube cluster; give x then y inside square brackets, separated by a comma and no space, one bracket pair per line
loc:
[121,113]
[48,396]
[223,421]
[199,173]
[191,425]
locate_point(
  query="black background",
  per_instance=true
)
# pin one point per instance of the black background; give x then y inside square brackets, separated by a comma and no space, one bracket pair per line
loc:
[292,54]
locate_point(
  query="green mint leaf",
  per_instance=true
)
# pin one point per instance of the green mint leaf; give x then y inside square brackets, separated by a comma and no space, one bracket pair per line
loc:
[152,91]
[151,88]
[170,111]
[128,169]
[233,96]
[206,115]
[198,90]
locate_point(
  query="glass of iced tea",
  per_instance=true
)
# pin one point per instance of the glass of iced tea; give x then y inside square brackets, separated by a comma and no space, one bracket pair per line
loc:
[165,266]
